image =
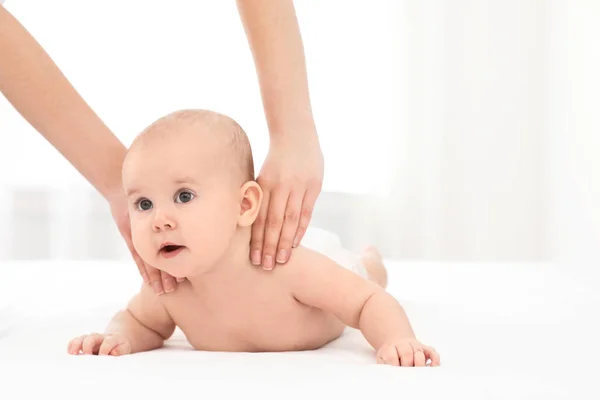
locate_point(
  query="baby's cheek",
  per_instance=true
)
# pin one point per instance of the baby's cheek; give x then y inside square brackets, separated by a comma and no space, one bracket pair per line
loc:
[140,242]
[211,232]
[213,240]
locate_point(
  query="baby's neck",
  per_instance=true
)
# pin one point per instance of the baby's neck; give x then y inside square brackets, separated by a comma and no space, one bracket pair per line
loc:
[234,266]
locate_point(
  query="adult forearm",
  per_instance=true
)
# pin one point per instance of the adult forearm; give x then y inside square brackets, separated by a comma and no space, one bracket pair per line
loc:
[383,320]
[36,87]
[275,41]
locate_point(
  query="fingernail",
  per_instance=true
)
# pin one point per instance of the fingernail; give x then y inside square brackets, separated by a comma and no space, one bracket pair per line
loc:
[179,280]
[281,256]
[268,263]
[168,287]
[295,242]
[145,278]
[157,287]
[255,257]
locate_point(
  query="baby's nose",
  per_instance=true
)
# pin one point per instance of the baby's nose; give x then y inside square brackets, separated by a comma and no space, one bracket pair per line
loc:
[163,222]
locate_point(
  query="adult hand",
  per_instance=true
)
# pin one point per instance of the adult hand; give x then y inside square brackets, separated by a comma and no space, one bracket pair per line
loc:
[291,179]
[160,281]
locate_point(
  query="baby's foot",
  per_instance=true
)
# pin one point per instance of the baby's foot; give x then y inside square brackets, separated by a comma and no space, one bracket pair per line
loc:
[373,262]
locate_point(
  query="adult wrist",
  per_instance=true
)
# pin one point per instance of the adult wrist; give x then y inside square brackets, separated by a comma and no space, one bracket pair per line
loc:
[298,133]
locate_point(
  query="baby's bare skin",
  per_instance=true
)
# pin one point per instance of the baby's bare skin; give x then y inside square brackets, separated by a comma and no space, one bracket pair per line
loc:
[251,310]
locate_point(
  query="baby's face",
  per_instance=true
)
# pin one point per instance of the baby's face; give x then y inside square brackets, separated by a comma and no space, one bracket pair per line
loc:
[183,205]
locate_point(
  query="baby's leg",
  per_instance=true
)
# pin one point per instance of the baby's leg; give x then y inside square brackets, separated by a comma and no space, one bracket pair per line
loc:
[373,263]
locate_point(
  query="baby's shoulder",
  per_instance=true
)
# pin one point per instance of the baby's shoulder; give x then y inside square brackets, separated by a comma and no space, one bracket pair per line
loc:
[301,256]
[165,301]
[304,263]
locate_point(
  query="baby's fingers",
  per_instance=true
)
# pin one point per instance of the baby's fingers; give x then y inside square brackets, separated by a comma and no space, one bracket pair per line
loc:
[91,343]
[432,355]
[108,345]
[418,355]
[405,353]
[75,345]
[387,354]
[121,350]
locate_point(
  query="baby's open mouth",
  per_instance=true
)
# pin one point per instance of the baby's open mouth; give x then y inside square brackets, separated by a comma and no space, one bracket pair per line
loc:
[169,250]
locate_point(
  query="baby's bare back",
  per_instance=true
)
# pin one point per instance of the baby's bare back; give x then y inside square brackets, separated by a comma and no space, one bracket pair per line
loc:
[254,314]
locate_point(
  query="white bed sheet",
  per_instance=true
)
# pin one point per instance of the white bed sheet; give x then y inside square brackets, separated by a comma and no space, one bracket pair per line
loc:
[503,331]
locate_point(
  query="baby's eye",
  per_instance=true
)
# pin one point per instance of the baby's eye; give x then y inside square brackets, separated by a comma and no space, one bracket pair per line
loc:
[144,204]
[184,196]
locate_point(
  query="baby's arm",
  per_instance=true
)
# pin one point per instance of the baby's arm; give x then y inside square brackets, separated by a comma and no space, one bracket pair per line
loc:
[320,282]
[144,325]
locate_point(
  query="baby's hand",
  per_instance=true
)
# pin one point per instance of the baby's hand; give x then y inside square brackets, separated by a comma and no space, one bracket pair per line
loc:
[100,344]
[407,353]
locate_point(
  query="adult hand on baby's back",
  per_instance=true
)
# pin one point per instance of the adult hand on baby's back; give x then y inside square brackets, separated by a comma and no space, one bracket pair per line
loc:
[291,179]
[160,281]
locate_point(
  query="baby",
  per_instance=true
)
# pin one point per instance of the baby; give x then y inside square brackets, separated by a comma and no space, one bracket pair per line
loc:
[190,180]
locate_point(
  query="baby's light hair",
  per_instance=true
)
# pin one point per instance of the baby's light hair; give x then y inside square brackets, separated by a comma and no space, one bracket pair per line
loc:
[236,140]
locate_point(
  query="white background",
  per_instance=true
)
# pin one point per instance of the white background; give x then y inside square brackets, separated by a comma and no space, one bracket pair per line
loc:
[468,129]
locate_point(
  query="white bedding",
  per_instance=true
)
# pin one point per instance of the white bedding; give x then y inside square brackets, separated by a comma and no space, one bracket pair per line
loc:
[503,331]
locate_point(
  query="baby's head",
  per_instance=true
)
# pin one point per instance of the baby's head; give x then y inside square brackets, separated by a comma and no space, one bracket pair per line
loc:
[189,178]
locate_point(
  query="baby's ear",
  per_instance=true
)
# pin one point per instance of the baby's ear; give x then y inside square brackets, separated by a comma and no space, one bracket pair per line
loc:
[251,198]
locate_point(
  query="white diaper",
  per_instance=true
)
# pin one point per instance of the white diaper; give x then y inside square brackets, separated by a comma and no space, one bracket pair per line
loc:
[329,244]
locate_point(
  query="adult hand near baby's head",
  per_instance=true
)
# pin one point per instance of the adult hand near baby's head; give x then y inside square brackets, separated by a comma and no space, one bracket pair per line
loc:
[160,281]
[291,179]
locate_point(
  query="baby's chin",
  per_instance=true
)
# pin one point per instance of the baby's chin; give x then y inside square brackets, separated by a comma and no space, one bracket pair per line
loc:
[179,271]
[184,265]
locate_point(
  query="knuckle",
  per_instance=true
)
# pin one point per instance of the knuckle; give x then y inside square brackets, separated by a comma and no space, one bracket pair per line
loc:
[286,186]
[285,242]
[306,212]
[292,215]
[296,182]
[387,354]
[269,249]
[274,222]
[154,276]
[300,231]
